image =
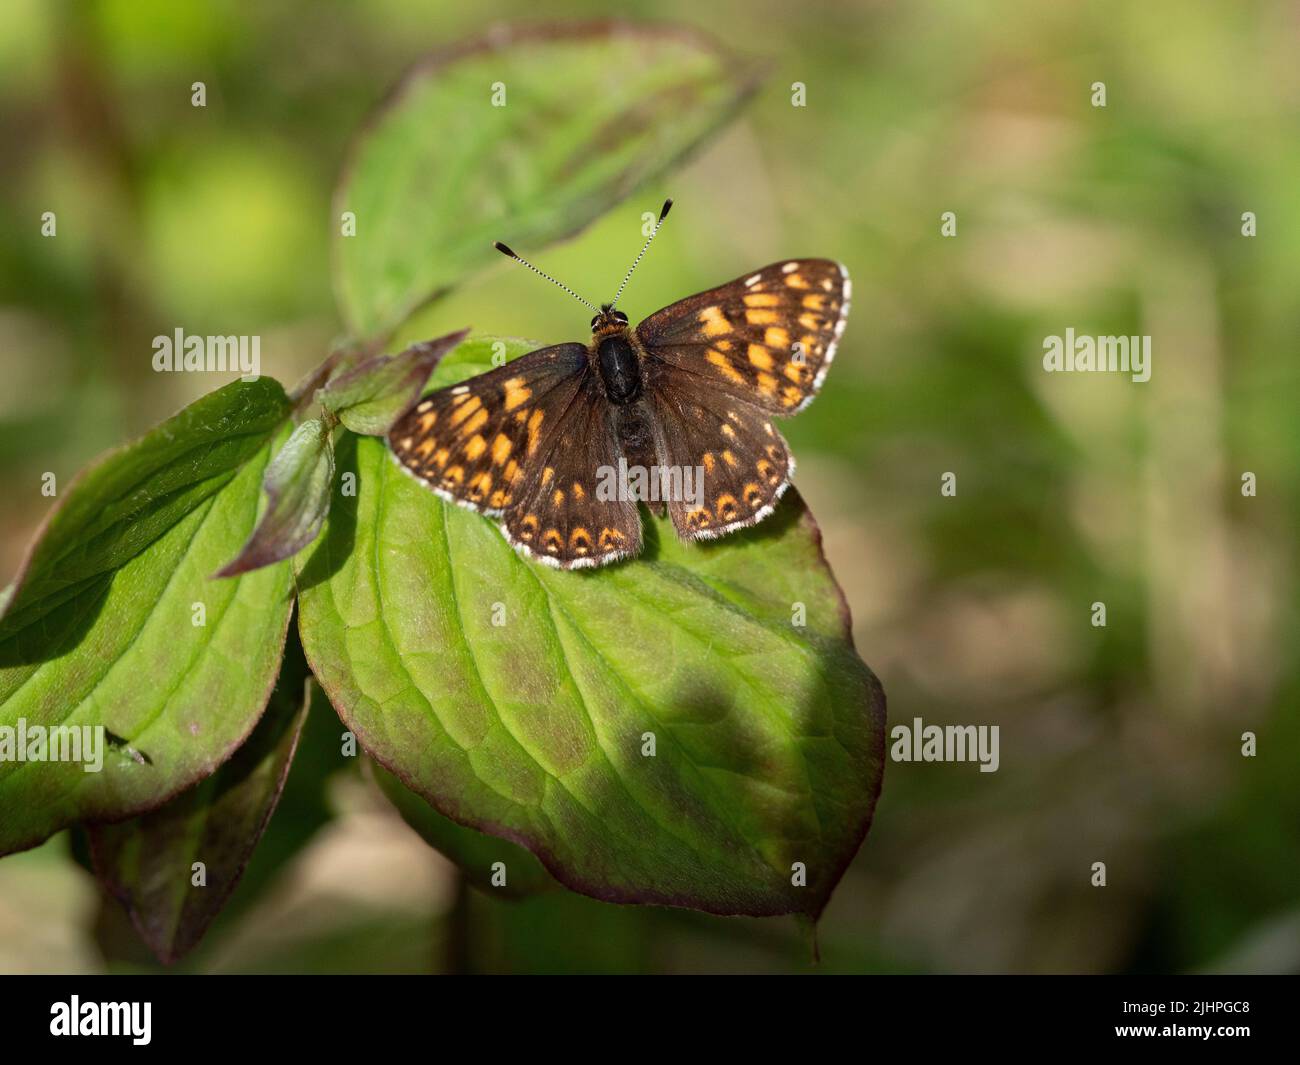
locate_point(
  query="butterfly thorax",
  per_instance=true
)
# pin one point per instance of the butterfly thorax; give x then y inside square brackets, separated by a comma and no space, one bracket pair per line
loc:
[616,358]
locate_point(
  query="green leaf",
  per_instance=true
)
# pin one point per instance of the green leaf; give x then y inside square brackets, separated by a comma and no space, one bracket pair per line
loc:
[297,484]
[369,398]
[476,853]
[591,112]
[769,737]
[147,863]
[127,500]
[114,622]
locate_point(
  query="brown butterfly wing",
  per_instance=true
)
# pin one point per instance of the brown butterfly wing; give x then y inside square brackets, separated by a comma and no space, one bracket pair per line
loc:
[562,514]
[474,442]
[726,451]
[529,441]
[767,338]
[526,442]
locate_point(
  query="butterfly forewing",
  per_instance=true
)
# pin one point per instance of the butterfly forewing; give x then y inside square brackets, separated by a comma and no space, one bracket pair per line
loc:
[766,338]
[475,442]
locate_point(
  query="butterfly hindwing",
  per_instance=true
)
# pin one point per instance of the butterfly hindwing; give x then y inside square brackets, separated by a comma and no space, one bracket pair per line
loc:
[474,442]
[563,513]
[766,338]
[731,457]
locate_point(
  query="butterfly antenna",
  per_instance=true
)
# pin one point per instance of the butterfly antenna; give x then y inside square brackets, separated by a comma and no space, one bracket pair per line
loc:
[637,261]
[519,259]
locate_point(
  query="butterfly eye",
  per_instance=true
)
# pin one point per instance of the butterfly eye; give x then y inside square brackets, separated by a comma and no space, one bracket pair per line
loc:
[594,321]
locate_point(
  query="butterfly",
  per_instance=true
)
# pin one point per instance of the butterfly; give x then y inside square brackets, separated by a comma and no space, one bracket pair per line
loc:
[562,443]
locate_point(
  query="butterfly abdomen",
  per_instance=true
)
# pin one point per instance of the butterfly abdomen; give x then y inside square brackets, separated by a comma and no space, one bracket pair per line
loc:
[620,369]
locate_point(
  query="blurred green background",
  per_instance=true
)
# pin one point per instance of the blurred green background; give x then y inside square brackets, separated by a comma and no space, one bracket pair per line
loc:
[1120,744]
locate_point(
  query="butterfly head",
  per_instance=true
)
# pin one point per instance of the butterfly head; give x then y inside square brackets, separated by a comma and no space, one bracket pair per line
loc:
[608,322]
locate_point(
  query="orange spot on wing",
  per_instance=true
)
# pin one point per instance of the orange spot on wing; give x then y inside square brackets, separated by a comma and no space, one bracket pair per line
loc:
[699,518]
[534,426]
[611,539]
[475,422]
[466,408]
[714,322]
[724,364]
[516,393]
[776,337]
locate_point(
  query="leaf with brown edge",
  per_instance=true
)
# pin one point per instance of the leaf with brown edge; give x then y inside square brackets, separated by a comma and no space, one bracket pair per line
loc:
[480,857]
[592,111]
[147,863]
[117,631]
[370,397]
[768,735]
